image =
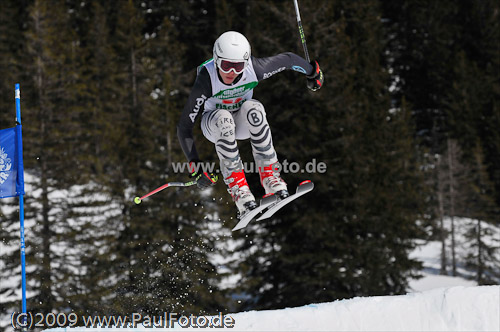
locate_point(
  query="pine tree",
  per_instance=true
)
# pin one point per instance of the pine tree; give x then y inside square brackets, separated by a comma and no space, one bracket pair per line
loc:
[11,46]
[159,258]
[53,122]
[452,185]
[481,256]
[48,154]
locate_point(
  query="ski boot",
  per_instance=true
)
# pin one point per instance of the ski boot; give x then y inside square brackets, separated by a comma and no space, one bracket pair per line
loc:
[240,192]
[272,182]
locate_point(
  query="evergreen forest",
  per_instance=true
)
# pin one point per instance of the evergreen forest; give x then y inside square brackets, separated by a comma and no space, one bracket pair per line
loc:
[407,124]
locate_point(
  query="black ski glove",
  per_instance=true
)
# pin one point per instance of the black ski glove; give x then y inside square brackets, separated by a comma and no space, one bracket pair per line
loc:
[204,180]
[315,80]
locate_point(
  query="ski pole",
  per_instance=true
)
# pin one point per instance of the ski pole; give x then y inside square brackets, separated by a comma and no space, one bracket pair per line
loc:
[301,30]
[138,199]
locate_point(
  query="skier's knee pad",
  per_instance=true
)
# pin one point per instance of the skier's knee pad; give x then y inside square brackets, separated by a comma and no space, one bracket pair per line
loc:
[254,113]
[225,124]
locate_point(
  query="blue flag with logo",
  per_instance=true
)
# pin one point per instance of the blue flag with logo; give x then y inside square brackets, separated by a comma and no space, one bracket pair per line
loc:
[11,162]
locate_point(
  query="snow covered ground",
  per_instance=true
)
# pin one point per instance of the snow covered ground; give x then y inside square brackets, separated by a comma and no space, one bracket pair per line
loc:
[452,309]
[445,309]
[433,303]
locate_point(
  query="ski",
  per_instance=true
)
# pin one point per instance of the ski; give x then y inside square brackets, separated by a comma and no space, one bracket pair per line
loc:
[302,189]
[272,203]
[249,215]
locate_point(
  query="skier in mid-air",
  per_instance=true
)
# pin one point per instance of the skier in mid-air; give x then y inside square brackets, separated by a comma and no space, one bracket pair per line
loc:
[222,96]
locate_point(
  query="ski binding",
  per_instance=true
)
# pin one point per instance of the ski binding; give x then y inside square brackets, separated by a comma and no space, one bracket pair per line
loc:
[272,203]
[249,215]
[302,189]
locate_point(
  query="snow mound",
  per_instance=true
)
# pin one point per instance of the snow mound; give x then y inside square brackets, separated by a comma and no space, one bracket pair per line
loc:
[444,309]
[431,281]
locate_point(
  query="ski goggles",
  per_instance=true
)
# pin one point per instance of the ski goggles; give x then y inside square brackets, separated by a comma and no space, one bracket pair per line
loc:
[227,66]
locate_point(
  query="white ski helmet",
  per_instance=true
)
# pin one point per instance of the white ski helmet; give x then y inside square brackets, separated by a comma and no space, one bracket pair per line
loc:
[231,52]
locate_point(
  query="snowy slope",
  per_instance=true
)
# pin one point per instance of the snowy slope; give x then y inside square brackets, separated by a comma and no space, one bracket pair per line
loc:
[435,303]
[445,309]
[454,309]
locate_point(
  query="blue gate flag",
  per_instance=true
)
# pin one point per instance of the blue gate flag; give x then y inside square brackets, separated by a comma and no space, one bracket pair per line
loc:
[11,162]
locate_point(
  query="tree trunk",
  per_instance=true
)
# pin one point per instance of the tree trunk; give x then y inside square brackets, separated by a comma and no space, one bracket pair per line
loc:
[480,267]
[45,275]
[442,230]
[451,156]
